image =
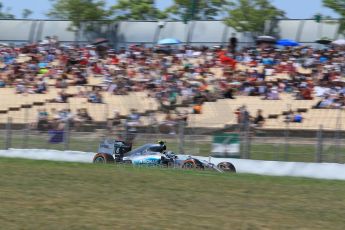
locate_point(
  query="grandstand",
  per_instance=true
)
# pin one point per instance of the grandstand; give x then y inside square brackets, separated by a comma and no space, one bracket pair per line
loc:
[216,114]
[188,76]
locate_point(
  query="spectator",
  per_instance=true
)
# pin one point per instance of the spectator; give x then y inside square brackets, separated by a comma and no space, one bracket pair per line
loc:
[298,118]
[170,122]
[182,117]
[81,117]
[41,87]
[133,120]
[238,115]
[244,117]
[289,117]
[80,79]
[62,97]
[197,109]
[61,83]
[84,115]
[229,93]
[69,117]
[325,103]
[95,97]
[294,117]
[304,93]
[115,120]
[54,115]
[2,82]
[259,120]
[272,94]
[81,92]
[233,43]
[42,120]
[20,87]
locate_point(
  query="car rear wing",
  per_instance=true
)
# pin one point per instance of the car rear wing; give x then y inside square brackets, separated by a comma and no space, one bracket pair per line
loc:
[114,148]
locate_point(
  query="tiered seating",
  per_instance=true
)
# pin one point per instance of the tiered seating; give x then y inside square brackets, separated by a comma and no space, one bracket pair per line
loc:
[215,114]
[220,113]
[99,112]
[136,100]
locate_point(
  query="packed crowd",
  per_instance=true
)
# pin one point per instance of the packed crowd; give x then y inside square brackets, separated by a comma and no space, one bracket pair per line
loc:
[185,74]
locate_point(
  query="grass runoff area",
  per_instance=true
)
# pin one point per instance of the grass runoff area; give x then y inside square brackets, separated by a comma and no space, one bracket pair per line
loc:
[56,195]
[264,151]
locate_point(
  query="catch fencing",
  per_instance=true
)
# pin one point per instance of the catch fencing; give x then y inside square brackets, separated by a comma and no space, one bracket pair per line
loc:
[254,143]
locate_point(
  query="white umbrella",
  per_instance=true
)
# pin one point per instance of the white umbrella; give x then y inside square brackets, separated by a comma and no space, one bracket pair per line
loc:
[265,38]
[339,42]
[4,45]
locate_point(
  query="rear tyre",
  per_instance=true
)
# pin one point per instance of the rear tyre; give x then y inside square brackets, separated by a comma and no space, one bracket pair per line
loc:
[189,164]
[101,158]
[227,167]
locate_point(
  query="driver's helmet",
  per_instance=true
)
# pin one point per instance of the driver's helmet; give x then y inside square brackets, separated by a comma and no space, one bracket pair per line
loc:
[162,143]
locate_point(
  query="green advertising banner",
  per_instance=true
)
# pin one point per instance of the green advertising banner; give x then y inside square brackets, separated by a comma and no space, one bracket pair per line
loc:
[226,145]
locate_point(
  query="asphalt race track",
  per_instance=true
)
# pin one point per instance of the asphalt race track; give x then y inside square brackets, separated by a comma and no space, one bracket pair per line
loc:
[52,155]
[272,168]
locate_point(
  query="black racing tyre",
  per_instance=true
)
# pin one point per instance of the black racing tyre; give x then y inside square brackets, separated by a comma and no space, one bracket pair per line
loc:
[226,167]
[102,158]
[189,164]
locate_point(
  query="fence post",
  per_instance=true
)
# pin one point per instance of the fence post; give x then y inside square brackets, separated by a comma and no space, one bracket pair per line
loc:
[319,146]
[8,133]
[244,139]
[240,135]
[242,131]
[66,135]
[106,114]
[337,137]
[287,134]
[26,129]
[248,141]
[181,136]
[286,145]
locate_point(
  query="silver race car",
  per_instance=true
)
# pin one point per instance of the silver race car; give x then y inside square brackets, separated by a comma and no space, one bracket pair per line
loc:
[111,151]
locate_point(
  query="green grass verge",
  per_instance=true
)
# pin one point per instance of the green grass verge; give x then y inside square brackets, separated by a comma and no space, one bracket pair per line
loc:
[276,152]
[54,195]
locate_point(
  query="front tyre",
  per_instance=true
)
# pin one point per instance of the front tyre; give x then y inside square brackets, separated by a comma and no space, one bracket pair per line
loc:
[102,158]
[227,167]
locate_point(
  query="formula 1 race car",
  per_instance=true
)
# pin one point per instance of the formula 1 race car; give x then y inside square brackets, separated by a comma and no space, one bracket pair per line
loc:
[112,151]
